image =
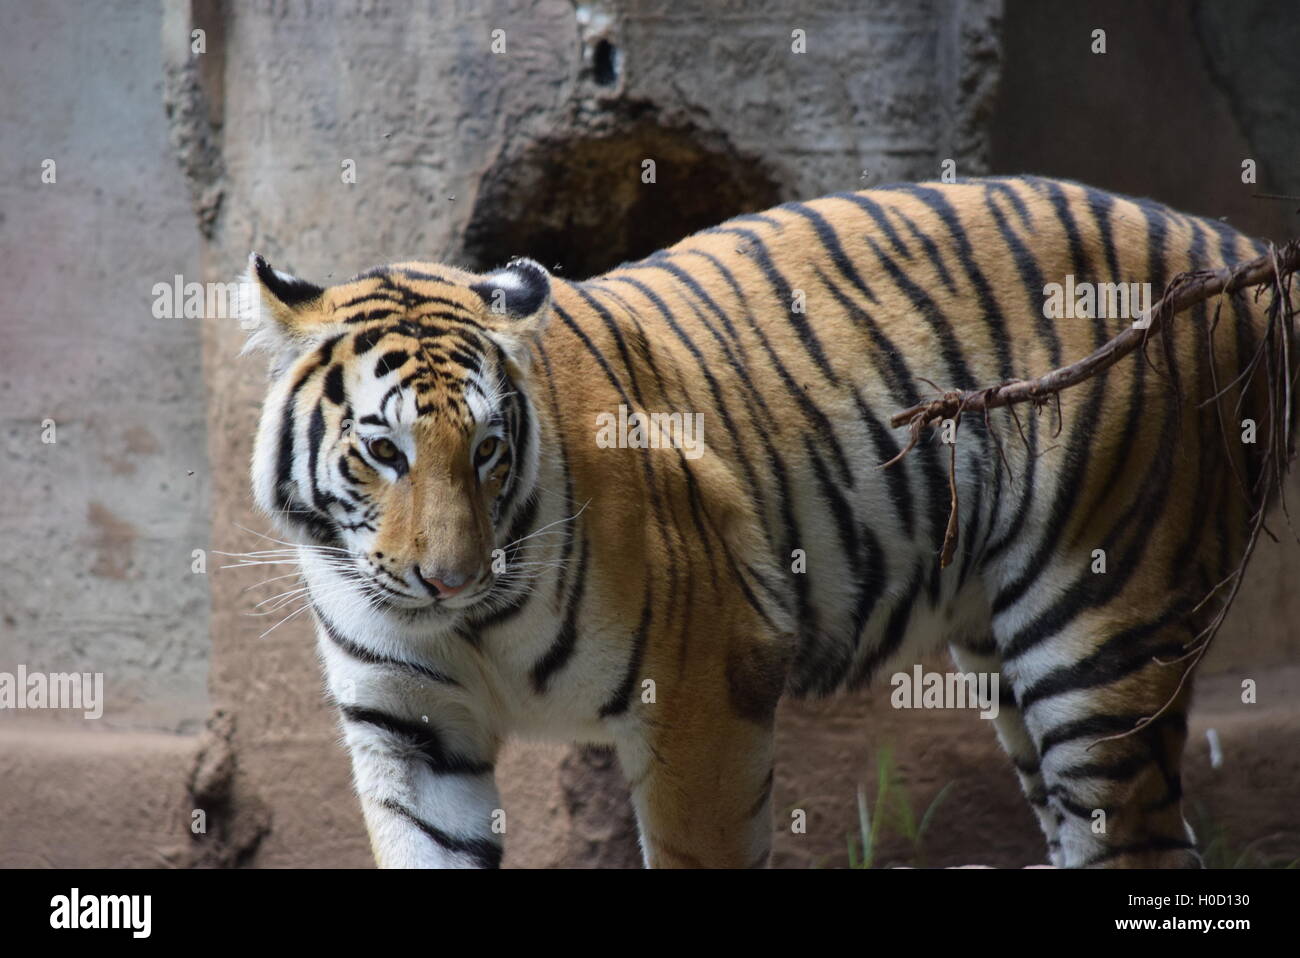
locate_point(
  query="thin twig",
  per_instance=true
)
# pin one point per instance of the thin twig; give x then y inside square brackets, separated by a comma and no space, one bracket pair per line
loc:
[1183,292]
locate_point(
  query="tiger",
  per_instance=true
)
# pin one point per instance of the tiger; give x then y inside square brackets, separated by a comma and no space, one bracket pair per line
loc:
[505,534]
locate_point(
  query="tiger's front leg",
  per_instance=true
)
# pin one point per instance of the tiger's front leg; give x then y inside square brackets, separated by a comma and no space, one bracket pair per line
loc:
[422,763]
[704,798]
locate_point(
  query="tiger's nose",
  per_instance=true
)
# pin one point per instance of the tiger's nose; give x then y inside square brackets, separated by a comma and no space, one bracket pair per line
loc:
[443,584]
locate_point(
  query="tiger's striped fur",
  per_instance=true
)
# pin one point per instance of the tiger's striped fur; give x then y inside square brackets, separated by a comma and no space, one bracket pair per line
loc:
[648,599]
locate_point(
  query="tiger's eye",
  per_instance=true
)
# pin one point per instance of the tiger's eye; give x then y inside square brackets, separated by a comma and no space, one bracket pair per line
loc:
[384,450]
[486,449]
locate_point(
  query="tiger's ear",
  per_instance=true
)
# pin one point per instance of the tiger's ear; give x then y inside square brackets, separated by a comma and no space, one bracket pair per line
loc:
[517,300]
[284,314]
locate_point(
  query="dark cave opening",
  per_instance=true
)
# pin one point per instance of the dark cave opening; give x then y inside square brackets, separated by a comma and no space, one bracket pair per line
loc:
[581,206]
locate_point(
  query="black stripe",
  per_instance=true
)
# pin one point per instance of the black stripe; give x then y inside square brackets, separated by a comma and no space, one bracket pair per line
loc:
[819,665]
[345,470]
[878,215]
[486,853]
[1005,187]
[781,289]
[362,654]
[931,250]
[621,699]
[831,244]
[1066,802]
[948,342]
[391,360]
[896,482]
[892,639]
[334,385]
[1188,553]
[756,410]
[519,417]
[754,489]
[990,312]
[562,450]
[1078,448]
[383,295]
[619,342]
[284,483]
[370,316]
[365,340]
[665,262]
[1124,653]
[419,738]
[647,462]
[315,439]
[1031,280]
[892,369]
[1090,590]
[1089,727]
[561,649]
[719,401]
[736,364]
[806,615]
[818,418]
[1099,205]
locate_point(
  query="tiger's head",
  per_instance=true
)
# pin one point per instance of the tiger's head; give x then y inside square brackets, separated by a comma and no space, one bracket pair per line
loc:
[397,439]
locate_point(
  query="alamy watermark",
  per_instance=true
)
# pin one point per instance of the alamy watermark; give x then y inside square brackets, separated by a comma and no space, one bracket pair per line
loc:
[651,430]
[133,913]
[53,690]
[919,689]
[1086,300]
[238,299]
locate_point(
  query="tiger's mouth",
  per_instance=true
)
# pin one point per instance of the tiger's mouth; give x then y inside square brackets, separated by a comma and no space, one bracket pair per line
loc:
[387,596]
[393,599]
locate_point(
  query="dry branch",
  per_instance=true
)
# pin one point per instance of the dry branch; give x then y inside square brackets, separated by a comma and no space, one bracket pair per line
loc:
[1183,292]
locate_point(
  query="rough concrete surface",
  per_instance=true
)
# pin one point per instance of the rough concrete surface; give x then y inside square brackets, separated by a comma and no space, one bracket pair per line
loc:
[99,525]
[171,162]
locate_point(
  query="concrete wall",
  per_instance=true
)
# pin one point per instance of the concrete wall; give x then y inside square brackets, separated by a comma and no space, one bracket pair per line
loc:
[96,528]
[100,523]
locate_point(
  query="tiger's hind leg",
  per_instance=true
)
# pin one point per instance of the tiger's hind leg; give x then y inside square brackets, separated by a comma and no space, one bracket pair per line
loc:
[1016,741]
[1109,722]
